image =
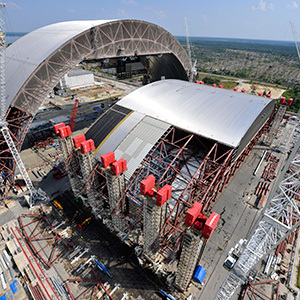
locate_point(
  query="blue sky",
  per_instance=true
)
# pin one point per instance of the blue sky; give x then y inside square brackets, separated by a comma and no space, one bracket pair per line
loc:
[255,19]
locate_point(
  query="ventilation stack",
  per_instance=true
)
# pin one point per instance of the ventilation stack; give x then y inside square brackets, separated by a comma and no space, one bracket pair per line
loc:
[87,163]
[115,181]
[71,162]
[154,213]
[191,248]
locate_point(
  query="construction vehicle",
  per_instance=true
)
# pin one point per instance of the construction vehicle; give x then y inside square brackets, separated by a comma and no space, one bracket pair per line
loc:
[102,268]
[86,221]
[57,204]
[234,254]
[166,295]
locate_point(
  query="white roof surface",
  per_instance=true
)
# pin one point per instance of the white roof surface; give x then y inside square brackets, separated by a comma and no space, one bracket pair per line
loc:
[222,115]
[28,52]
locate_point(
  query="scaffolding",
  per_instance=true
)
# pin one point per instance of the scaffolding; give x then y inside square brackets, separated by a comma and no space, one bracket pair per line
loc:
[274,128]
[115,187]
[87,163]
[191,249]
[71,163]
[154,218]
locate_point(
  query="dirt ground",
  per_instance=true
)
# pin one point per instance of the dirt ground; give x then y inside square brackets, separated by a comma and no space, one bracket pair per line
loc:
[275,92]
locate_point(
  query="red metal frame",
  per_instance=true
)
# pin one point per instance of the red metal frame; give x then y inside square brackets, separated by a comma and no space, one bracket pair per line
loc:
[252,292]
[34,234]
[93,287]
[42,287]
[73,115]
[204,179]
[94,185]
[18,123]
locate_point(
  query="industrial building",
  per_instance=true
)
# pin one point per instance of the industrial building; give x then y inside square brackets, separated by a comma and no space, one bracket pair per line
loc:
[153,165]
[75,79]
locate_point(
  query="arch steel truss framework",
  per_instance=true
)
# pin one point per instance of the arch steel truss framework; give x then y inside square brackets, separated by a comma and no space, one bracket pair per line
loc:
[111,39]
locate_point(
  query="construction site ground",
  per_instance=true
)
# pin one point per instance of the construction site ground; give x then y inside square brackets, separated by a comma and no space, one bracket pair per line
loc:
[238,217]
[236,205]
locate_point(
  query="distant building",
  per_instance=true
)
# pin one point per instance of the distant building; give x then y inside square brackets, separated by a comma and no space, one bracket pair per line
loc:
[75,79]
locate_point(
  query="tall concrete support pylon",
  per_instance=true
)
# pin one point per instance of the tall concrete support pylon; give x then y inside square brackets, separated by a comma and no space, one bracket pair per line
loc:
[192,245]
[153,221]
[154,214]
[115,181]
[71,161]
[87,163]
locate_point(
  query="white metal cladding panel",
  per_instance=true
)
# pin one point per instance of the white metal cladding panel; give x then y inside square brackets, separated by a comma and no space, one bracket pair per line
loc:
[28,52]
[222,115]
[118,135]
[139,142]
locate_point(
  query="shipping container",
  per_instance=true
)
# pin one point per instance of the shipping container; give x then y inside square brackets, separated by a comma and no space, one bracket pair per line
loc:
[91,144]
[57,126]
[200,274]
[193,213]
[210,225]
[119,166]
[163,195]
[199,223]
[107,159]
[77,140]
[64,131]
[290,101]
[147,184]
[282,101]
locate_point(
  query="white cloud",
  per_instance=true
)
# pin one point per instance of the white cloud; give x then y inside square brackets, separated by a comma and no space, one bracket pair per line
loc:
[14,5]
[122,12]
[292,5]
[271,6]
[129,2]
[160,13]
[262,6]
[72,11]
[204,18]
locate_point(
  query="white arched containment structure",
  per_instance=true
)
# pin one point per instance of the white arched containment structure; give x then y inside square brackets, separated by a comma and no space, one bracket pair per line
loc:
[36,62]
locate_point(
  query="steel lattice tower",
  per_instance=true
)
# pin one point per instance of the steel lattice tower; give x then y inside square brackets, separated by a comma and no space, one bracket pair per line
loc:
[280,218]
[34,194]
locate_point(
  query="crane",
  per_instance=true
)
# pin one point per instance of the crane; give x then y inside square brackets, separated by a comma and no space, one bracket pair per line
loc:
[193,71]
[295,38]
[34,194]
[280,218]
